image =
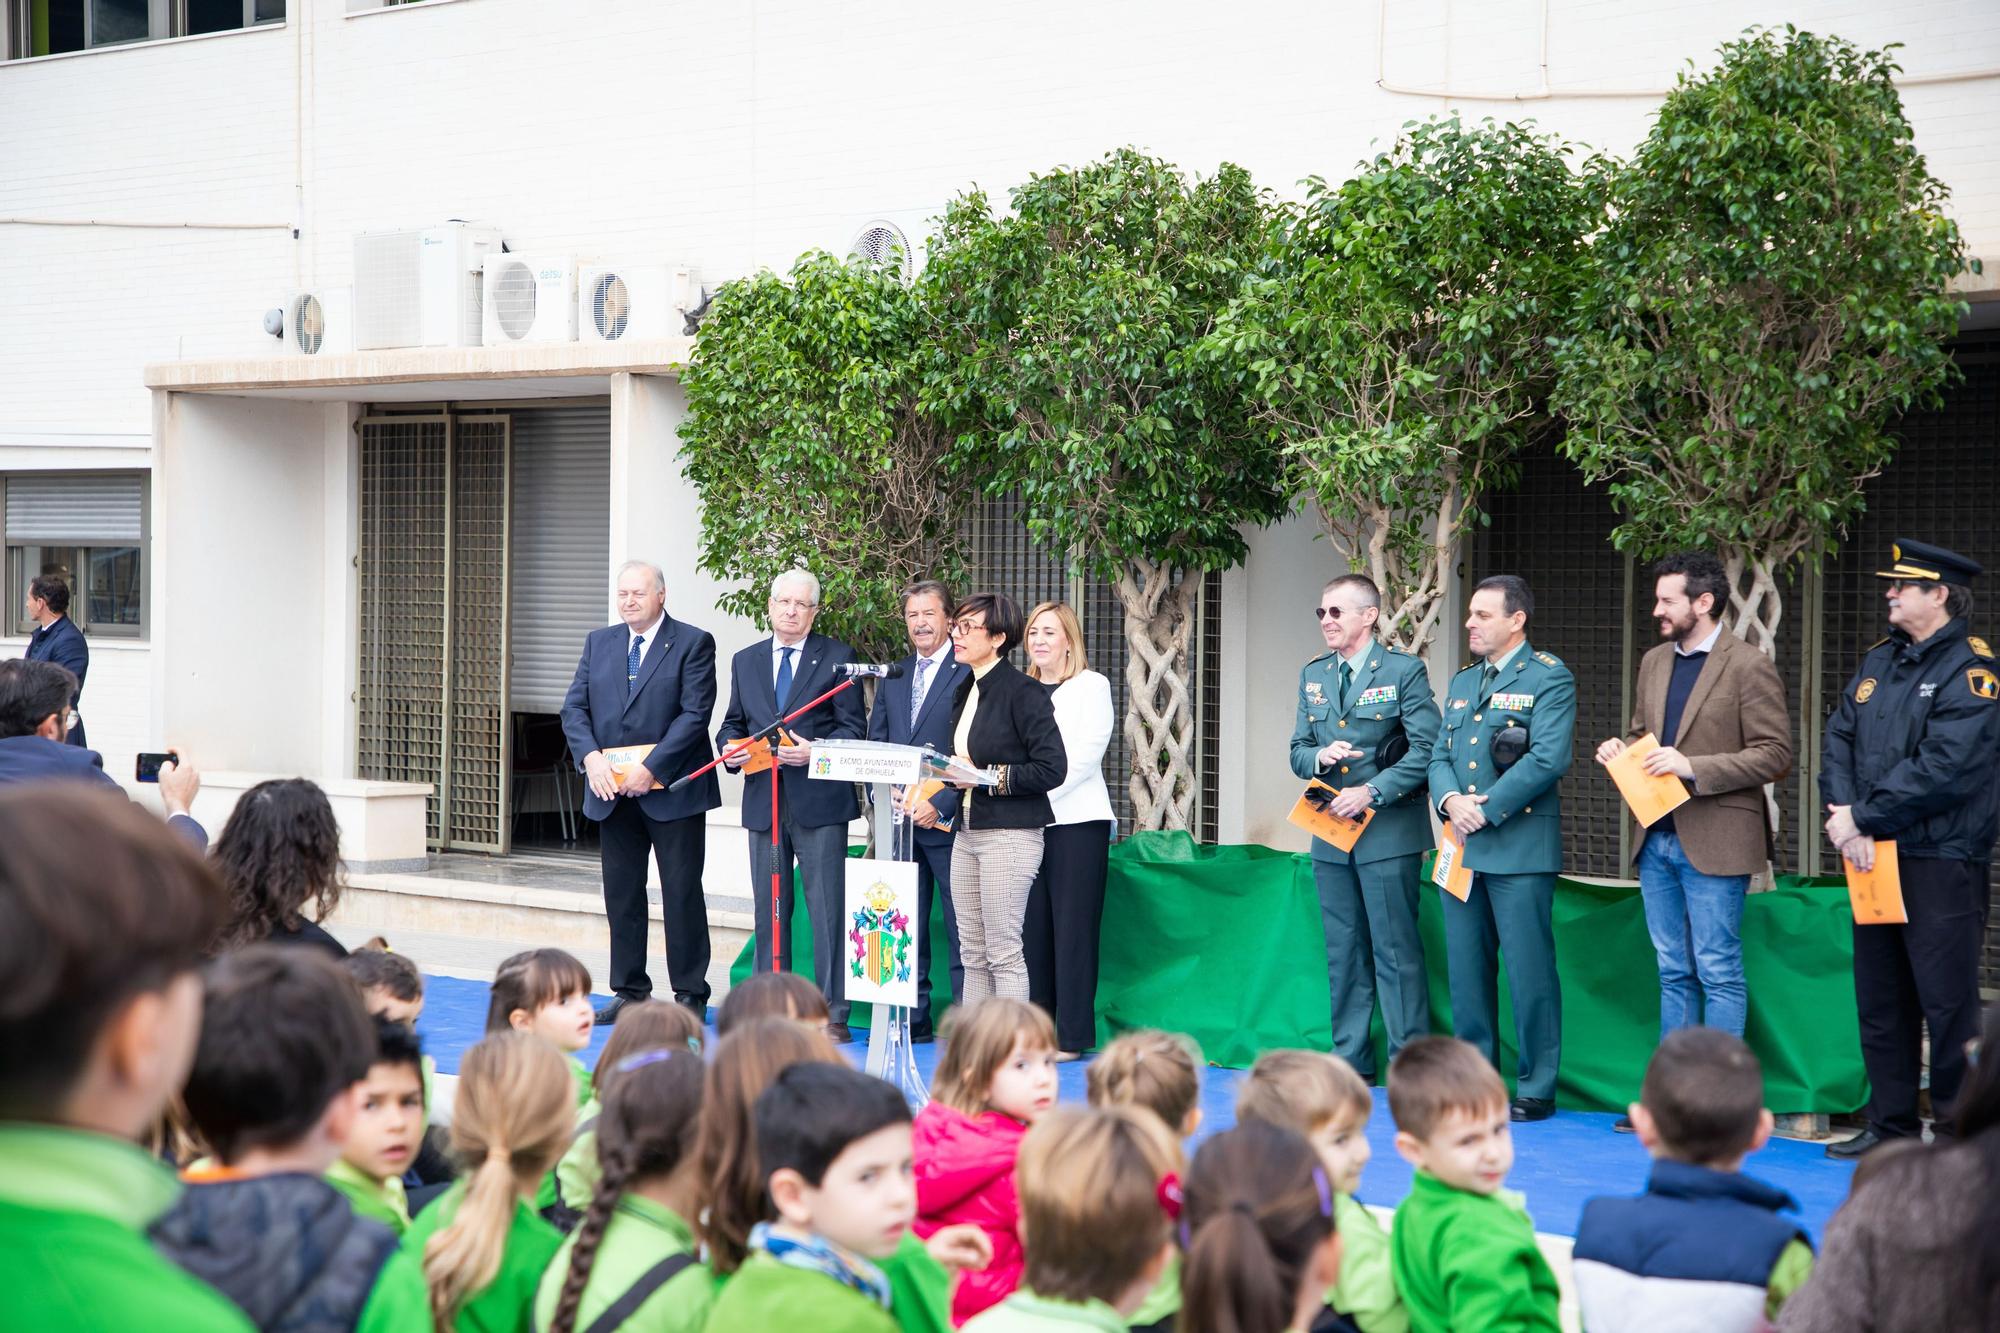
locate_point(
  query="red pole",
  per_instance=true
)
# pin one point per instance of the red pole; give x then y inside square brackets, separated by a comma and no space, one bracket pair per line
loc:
[777,930]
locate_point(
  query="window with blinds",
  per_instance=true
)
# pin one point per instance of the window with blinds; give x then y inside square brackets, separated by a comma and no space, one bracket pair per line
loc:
[561,548]
[88,529]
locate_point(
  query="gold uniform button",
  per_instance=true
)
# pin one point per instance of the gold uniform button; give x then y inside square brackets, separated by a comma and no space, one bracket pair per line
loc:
[1472,763]
[1472,786]
[1527,809]
[1343,722]
[1343,768]
[1476,717]
[1475,740]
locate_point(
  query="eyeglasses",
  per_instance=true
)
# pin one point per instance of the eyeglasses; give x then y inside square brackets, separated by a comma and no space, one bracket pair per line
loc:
[964,627]
[792,604]
[1326,613]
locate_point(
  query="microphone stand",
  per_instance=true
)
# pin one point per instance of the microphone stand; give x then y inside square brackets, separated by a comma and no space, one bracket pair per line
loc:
[740,748]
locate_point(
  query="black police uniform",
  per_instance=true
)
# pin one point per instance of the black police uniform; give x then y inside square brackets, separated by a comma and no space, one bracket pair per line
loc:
[1913,749]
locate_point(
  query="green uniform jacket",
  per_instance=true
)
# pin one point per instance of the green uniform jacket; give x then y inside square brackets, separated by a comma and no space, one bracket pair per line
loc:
[399,1301]
[1523,812]
[1390,693]
[73,1254]
[385,1201]
[1025,1312]
[505,1304]
[1469,1261]
[640,1234]
[765,1294]
[919,1288]
[1366,1289]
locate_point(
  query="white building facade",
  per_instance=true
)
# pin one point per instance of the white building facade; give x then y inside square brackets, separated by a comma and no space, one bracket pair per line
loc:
[209,489]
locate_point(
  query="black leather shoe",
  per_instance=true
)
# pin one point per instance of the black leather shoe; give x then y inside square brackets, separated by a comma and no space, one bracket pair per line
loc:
[614,1007]
[1523,1109]
[1847,1150]
[838,1034]
[922,1036]
[1623,1124]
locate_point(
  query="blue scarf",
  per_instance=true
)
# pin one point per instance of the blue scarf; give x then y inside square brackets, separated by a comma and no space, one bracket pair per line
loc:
[820,1255]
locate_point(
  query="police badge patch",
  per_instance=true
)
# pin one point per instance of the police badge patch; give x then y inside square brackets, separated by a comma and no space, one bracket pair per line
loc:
[1864,691]
[1983,682]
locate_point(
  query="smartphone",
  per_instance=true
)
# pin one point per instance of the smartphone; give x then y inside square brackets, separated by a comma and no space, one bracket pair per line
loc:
[149,765]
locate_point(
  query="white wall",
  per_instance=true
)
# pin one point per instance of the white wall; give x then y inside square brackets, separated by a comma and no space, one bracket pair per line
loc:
[730,135]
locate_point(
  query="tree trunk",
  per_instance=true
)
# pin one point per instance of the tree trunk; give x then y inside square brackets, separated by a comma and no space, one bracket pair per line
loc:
[1159,707]
[1756,607]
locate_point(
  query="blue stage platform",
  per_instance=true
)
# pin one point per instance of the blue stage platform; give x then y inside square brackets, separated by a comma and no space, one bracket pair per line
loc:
[1558,1163]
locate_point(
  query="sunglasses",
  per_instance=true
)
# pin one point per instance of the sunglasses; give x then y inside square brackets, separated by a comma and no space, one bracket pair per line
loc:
[1326,613]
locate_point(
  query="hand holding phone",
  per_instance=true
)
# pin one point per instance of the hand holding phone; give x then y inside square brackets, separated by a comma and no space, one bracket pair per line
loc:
[149,765]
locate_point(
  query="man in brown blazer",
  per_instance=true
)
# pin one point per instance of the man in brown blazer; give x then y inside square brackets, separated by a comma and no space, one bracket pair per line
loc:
[1717,708]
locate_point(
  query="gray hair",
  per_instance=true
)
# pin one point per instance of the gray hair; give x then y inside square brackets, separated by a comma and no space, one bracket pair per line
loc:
[805,576]
[659,576]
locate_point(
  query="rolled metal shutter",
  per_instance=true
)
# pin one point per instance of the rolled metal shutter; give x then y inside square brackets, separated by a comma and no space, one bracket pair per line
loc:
[561,547]
[92,508]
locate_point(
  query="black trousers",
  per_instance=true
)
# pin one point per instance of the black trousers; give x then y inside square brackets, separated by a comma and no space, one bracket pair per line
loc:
[1059,934]
[624,837]
[933,873]
[1926,972]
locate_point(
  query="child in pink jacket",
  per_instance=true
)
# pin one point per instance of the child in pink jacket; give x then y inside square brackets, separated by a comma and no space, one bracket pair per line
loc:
[996,1077]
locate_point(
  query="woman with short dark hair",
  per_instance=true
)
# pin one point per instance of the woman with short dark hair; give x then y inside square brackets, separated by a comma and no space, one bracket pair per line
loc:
[280,854]
[1004,721]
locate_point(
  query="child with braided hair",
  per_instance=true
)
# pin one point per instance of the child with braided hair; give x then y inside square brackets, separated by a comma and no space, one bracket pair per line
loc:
[632,1263]
[642,1026]
[1161,1072]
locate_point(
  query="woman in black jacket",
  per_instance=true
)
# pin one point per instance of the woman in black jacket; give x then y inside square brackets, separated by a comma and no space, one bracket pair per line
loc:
[1001,720]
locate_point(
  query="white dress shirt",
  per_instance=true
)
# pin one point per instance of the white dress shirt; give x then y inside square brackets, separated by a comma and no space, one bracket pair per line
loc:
[778,658]
[652,633]
[1707,645]
[1085,718]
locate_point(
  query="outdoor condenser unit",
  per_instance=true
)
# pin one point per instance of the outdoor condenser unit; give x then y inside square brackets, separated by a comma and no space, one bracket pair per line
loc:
[420,288]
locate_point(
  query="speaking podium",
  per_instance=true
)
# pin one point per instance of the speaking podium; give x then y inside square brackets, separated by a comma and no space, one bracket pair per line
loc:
[883,911]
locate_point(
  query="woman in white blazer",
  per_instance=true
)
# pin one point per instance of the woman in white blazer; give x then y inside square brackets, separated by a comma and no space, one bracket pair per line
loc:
[1066,904]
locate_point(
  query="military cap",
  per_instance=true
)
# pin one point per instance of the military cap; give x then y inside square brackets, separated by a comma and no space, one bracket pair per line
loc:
[1914,562]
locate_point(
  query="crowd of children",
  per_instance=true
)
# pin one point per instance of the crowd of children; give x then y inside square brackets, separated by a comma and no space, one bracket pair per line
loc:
[757,1182]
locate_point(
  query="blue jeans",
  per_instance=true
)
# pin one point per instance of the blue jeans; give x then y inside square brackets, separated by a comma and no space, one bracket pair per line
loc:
[1695,921]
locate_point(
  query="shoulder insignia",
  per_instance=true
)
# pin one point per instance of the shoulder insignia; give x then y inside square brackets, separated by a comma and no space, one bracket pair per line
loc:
[1877,644]
[1469,666]
[1978,645]
[1983,683]
[1325,656]
[1548,659]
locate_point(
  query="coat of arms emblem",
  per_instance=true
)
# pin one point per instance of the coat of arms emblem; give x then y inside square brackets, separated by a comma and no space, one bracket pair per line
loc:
[881,938]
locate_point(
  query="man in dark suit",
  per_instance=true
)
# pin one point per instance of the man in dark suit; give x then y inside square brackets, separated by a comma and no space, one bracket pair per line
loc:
[767,680]
[648,681]
[915,709]
[57,639]
[34,714]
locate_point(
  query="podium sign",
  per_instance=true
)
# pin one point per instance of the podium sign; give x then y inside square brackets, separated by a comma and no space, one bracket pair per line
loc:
[884,925]
[866,761]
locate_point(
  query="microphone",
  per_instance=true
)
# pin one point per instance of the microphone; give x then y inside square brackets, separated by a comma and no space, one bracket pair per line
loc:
[878,670]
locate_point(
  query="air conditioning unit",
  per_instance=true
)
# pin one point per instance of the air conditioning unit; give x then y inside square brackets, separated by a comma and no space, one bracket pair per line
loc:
[627,302]
[420,288]
[319,323]
[529,300]
[895,241]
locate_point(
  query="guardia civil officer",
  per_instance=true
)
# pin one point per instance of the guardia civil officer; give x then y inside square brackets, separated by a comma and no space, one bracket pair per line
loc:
[1501,750]
[1366,722]
[1910,757]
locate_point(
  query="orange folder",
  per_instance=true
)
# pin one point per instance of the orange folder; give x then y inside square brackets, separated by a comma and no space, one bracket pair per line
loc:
[1877,893]
[625,756]
[1449,871]
[924,791]
[1325,825]
[758,757]
[1649,795]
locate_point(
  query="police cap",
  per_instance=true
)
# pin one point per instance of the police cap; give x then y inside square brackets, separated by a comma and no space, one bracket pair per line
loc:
[1915,562]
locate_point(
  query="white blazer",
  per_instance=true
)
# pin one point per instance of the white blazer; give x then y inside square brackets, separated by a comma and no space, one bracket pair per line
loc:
[1084,717]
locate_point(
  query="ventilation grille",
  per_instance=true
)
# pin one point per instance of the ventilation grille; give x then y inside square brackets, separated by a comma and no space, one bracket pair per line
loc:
[610,306]
[514,297]
[884,244]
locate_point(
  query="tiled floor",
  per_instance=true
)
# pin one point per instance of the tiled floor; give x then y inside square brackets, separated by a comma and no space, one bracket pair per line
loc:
[543,870]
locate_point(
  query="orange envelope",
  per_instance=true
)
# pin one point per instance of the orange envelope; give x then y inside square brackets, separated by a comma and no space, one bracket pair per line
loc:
[625,756]
[1649,795]
[1449,871]
[758,757]
[1325,825]
[1877,893]
[924,791]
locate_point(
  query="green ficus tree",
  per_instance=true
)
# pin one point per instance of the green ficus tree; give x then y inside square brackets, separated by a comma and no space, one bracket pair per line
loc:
[1068,362]
[804,440]
[1772,286]
[1395,342]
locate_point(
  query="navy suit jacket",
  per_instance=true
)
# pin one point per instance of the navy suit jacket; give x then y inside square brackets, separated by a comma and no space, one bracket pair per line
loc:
[63,643]
[890,721]
[753,705]
[36,759]
[668,708]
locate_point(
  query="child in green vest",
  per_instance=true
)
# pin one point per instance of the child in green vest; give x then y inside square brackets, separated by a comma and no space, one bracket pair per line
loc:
[482,1245]
[1100,1193]
[642,1025]
[546,993]
[285,1045]
[388,1130]
[1462,1246]
[1262,1244]
[1320,1096]
[1160,1071]
[633,1261]
[833,1146]
[102,1005]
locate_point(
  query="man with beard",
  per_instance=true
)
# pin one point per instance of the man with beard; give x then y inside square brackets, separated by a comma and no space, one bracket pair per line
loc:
[1717,708]
[1909,758]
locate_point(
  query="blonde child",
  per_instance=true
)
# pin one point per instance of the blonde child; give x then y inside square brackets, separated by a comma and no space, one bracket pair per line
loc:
[1260,1235]
[1462,1247]
[641,1025]
[388,1130]
[1160,1071]
[1100,1193]
[483,1247]
[1321,1097]
[997,1076]
[635,1251]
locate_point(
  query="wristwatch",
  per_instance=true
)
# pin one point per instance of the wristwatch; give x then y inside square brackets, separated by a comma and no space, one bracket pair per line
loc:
[1374,794]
